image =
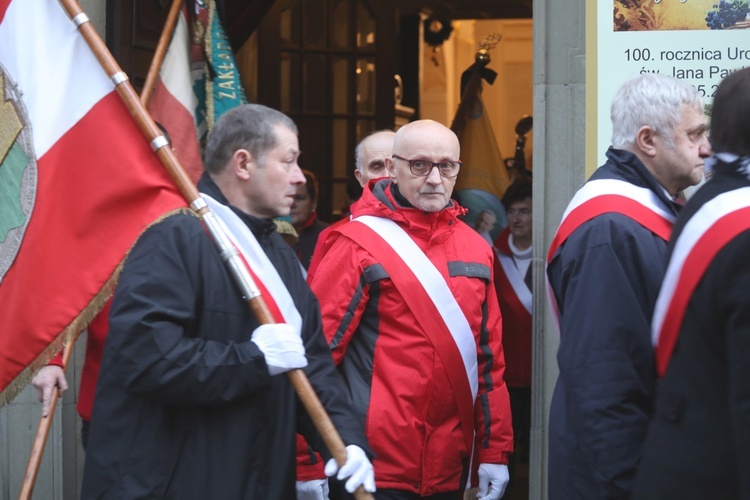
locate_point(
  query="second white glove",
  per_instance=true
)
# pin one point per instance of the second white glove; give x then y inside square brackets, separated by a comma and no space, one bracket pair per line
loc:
[357,468]
[281,346]
[493,478]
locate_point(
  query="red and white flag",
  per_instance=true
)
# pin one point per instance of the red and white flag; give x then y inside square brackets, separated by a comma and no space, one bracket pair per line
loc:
[198,81]
[78,184]
[174,103]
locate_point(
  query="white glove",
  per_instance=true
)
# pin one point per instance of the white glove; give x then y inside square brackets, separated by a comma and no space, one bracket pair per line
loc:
[357,468]
[281,346]
[316,489]
[494,476]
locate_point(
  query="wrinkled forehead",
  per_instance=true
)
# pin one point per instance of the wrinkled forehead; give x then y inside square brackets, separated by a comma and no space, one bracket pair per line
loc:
[377,147]
[427,140]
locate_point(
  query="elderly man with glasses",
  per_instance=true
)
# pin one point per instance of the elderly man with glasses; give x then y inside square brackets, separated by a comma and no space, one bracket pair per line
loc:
[413,322]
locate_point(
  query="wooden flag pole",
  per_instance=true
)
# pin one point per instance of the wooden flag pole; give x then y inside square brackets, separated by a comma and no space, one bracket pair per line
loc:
[37,449]
[148,128]
[161,51]
[45,423]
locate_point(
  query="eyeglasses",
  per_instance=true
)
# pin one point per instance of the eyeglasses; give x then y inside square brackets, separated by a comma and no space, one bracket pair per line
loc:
[422,168]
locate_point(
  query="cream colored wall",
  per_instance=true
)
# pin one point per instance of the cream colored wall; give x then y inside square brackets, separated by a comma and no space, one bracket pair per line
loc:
[507,100]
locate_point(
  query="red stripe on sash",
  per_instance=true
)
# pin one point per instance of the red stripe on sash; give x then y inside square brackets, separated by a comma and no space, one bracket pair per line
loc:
[273,308]
[610,203]
[693,269]
[421,306]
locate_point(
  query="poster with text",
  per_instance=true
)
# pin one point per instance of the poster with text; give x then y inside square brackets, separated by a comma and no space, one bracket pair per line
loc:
[699,41]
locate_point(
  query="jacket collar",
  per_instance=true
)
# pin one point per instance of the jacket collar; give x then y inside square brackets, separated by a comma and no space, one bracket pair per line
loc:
[626,166]
[382,199]
[259,226]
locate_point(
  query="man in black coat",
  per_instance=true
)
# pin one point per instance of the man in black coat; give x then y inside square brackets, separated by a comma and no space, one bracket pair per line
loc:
[698,443]
[605,267]
[191,400]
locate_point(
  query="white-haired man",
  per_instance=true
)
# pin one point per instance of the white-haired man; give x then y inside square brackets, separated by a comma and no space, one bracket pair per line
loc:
[605,267]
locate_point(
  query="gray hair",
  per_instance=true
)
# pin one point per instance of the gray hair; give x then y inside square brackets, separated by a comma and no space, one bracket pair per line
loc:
[652,100]
[250,127]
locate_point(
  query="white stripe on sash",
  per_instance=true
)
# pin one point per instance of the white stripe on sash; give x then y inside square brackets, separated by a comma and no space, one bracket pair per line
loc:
[435,286]
[601,187]
[516,280]
[695,228]
[244,240]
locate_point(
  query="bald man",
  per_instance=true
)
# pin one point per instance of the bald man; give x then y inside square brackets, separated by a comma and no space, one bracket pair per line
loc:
[413,322]
[370,155]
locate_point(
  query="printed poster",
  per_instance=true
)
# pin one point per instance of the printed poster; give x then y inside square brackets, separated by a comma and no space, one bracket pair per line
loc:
[699,41]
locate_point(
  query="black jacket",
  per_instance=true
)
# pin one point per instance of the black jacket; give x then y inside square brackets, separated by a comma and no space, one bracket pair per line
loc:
[606,278]
[698,444]
[185,407]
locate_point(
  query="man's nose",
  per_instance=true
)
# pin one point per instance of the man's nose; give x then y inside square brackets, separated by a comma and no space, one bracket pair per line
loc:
[297,176]
[434,176]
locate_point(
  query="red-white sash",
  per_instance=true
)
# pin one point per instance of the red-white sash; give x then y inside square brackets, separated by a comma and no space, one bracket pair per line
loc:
[436,287]
[713,226]
[515,279]
[602,196]
[266,277]
[426,293]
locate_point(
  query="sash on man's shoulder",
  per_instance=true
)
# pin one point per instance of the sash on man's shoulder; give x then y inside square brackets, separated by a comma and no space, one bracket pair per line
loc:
[602,196]
[709,230]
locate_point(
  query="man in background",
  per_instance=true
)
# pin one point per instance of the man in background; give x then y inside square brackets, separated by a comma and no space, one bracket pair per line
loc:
[605,267]
[304,218]
[513,278]
[698,443]
[370,155]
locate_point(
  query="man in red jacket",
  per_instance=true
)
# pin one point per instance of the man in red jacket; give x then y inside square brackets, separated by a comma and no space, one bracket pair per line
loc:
[412,319]
[52,375]
[513,254]
[370,155]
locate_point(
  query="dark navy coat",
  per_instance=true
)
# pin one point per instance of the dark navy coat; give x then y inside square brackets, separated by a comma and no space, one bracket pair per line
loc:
[606,278]
[698,444]
[185,407]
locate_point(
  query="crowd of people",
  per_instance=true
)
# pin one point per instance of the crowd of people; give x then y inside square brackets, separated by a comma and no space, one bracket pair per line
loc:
[415,329]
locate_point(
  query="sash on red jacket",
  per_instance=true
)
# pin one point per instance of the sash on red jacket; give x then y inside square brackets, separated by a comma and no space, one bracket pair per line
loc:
[266,277]
[713,226]
[511,273]
[426,293]
[603,196]
[516,304]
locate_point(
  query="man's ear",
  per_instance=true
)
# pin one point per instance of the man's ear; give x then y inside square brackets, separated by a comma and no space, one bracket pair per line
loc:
[390,167]
[646,140]
[358,176]
[242,164]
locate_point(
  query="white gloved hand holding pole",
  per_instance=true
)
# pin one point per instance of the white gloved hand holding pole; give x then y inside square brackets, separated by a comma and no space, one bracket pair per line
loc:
[493,478]
[281,346]
[357,468]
